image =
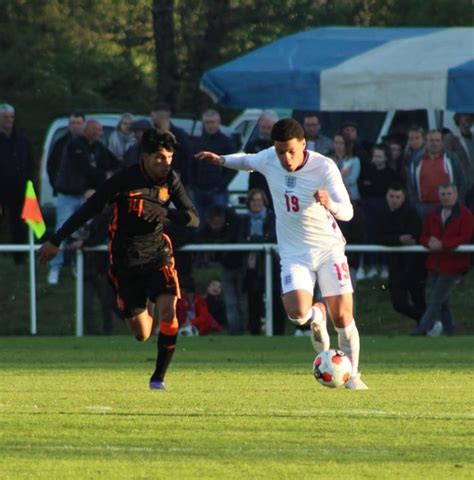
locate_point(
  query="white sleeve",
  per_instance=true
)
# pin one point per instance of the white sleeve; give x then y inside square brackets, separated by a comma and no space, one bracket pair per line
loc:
[342,206]
[246,161]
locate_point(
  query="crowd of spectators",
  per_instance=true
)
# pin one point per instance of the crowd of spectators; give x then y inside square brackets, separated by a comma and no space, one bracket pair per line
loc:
[398,188]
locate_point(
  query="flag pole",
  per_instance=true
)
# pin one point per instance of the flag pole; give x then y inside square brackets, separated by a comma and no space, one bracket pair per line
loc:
[31,214]
[32,282]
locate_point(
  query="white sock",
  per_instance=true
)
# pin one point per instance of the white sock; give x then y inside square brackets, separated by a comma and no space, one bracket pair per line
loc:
[302,321]
[349,343]
[318,319]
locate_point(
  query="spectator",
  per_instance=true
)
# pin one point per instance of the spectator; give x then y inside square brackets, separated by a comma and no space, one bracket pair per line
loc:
[444,229]
[399,224]
[396,156]
[265,123]
[222,226]
[374,184]
[76,124]
[350,131]
[347,164]
[161,118]
[16,167]
[134,153]
[84,167]
[257,226]
[430,170]
[121,139]
[415,148]
[209,182]
[192,310]
[215,302]
[96,282]
[462,144]
[315,140]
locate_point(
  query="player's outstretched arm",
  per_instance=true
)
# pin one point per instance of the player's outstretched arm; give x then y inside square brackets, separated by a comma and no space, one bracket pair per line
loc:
[211,158]
[47,252]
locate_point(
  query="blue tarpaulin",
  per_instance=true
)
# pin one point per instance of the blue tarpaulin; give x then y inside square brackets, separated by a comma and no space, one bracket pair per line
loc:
[345,68]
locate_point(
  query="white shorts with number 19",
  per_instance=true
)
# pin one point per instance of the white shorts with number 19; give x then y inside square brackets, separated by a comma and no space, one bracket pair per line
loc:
[329,269]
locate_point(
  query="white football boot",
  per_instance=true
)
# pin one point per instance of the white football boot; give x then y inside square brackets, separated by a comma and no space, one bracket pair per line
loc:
[356,383]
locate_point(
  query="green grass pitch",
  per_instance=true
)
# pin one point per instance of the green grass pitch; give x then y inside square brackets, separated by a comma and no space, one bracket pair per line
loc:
[236,408]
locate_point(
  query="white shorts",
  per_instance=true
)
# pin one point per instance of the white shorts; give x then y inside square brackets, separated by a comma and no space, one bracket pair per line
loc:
[330,270]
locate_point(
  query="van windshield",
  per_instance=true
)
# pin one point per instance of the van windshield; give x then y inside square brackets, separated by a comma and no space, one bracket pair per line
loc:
[369,123]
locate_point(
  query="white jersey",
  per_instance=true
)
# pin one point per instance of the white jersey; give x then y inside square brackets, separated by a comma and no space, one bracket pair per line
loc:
[304,226]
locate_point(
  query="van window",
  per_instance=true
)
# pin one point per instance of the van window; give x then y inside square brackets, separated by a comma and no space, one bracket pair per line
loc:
[63,130]
[404,119]
[369,123]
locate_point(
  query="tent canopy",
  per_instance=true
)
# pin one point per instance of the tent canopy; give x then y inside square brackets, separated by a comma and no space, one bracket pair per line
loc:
[352,69]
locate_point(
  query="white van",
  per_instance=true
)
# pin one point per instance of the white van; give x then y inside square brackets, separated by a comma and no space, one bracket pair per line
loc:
[109,121]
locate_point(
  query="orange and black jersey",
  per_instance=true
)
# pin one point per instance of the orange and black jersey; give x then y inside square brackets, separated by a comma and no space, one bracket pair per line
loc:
[131,192]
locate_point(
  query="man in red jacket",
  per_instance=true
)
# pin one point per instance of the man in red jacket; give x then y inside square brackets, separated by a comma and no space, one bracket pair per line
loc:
[444,229]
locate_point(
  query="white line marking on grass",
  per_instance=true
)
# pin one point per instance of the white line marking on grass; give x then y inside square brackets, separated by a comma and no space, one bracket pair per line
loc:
[98,407]
[371,413]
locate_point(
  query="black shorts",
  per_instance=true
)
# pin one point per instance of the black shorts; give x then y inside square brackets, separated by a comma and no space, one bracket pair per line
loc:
[135,286]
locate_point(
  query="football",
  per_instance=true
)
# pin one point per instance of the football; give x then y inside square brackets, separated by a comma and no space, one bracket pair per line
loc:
[332,368]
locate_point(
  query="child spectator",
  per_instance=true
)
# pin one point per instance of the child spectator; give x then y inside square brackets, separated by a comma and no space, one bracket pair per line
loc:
[374,184]
[192,311]
[215,301]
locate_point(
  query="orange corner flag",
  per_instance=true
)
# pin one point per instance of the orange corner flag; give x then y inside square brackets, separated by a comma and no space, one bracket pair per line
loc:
[31,212]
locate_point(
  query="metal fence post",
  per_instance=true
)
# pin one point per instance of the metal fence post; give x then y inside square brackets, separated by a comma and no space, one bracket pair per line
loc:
[269,291]
[79,293]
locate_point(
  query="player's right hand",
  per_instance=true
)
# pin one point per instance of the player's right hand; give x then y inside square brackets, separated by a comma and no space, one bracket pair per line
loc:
[47,252]
[210,157]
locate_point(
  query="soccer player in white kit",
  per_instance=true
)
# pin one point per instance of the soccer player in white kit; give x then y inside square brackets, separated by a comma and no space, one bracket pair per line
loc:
[308,194]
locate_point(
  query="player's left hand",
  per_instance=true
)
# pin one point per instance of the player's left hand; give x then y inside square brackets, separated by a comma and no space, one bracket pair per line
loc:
[153,212]
[47,252]
[322,196]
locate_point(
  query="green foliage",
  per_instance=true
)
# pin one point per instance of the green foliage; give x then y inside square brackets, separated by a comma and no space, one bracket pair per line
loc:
[60,55]
[235,408]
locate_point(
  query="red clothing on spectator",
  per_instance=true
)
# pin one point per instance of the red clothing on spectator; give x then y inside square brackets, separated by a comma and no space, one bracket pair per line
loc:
[456,231]
[202,319]
[433,173]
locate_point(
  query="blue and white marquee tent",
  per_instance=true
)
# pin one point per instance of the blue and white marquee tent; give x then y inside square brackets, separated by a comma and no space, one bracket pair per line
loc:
[352,69]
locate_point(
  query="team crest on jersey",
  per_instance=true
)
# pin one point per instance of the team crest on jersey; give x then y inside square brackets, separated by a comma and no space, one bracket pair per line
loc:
[290,182]
[287,279]
[163,194]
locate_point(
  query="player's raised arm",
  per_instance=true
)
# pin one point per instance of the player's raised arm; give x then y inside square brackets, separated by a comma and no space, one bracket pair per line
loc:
[89,209]
[335,197]
[211,158]
[236,161]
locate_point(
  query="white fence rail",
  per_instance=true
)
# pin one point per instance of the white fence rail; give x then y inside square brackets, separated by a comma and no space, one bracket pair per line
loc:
[267,248]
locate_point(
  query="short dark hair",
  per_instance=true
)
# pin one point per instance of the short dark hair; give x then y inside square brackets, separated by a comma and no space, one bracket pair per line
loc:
[385,150]
[161,107]
[152,141]
[397,186]
[418,129]
[286,129]
[215,211]
[78,113]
